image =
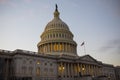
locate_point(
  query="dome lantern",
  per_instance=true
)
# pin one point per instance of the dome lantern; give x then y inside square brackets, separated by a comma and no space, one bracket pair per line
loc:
[56,13]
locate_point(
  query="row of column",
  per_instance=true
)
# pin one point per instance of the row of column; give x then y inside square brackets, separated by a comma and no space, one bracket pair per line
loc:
[57,47]
[77,69]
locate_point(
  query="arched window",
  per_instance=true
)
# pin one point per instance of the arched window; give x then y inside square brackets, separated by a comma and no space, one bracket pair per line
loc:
[56,35]
[57,47]
[38,62]
[61,47]
[62,35]
[59,35]
[53,35]
[50,47]
[38,71]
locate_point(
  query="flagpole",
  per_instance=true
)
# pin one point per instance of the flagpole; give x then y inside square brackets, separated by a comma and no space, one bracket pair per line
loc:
[84,49]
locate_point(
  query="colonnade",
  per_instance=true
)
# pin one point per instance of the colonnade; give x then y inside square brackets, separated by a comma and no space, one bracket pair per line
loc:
[57,47]
[72,70]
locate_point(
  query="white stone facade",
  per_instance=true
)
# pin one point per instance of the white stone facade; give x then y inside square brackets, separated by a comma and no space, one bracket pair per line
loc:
[56,59]
[26,65]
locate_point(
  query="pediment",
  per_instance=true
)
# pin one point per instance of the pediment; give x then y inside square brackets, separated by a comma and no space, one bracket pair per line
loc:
[87,58]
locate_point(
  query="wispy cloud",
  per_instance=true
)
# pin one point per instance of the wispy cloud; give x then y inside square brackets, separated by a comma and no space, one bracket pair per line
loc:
[111,46]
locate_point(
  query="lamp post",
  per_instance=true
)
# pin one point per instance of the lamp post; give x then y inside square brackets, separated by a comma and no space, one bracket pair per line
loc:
[83,69]
[109,78]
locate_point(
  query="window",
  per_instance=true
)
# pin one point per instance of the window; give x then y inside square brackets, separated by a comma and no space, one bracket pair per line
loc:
[62,35]
[30,62]
[51,64]
[24,62]
[51,71]
[38,62]
[38,71]
[30,70]
[56,35]
[59,35]
[53,35]
[61,47]
[24,70]
[45,63]
[45,71]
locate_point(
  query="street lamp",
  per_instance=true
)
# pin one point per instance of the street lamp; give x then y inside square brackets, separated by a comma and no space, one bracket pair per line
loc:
[83,69]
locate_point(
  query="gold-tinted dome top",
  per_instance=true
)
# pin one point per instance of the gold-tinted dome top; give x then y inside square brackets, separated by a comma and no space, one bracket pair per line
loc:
[56,23]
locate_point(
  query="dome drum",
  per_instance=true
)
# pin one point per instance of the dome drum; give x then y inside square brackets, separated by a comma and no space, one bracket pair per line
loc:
[57,47]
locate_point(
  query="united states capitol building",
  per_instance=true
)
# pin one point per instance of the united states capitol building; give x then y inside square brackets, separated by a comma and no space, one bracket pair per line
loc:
[56,59]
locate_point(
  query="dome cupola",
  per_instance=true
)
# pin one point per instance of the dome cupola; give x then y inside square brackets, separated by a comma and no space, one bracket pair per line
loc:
[57,38]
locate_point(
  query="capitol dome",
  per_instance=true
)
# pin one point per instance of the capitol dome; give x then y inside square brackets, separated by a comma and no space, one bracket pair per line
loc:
[56,23]
[57,38]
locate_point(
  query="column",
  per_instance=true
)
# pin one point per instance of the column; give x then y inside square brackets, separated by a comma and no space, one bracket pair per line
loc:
[88,69]
[68,47]
[61,66]
[97,73]
[65,69]
[92,69]
[62,47]
[52,47]
[48,47]
[6,69]
[72,74]
[59,47]
[81,69]
[73,70]
[65,47]
[78,69]
[58,68]
[95,70]
[85,71]
[68,70]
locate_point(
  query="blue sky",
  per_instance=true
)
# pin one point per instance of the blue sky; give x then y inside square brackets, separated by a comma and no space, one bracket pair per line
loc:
[97,22]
